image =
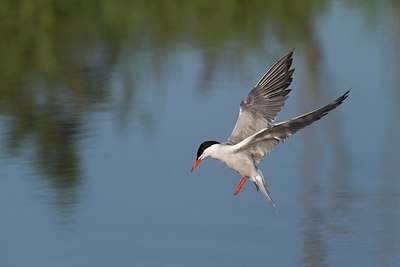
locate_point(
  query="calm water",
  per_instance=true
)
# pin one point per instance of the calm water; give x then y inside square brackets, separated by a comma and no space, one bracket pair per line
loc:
[103,106]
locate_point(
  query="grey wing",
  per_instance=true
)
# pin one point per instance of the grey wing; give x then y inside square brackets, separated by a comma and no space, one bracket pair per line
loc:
[262,105]
[263,142]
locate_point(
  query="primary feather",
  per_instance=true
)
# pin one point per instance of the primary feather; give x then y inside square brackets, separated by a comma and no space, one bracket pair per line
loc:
[258,111]
[263,142]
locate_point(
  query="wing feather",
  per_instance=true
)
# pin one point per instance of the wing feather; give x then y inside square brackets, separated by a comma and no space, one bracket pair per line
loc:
[263,103]
[264,141]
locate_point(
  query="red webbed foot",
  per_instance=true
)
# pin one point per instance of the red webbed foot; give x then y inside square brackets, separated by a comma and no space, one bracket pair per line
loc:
[239,185]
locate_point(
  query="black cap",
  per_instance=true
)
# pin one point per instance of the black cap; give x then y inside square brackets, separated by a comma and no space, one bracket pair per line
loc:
[204,146]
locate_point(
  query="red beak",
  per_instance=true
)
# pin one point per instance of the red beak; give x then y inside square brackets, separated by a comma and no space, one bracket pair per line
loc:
[196,163]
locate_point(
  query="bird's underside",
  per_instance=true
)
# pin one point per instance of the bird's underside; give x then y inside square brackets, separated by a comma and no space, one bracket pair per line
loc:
[255,129]
[260,144]
[255,133]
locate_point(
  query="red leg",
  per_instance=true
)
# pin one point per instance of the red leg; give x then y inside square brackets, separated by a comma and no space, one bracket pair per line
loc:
[239,185]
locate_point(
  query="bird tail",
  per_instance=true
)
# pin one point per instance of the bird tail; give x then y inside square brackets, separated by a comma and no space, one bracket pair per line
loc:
[262,186]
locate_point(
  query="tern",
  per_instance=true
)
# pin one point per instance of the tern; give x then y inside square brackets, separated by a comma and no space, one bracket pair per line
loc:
[255,133]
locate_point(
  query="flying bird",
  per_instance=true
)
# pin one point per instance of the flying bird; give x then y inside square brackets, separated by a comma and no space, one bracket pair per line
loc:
[255,133]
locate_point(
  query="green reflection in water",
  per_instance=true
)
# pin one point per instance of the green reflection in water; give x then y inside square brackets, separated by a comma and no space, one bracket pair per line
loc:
[56,57]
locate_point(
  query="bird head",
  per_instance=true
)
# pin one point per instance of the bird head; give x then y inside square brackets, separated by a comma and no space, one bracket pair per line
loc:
[202,152]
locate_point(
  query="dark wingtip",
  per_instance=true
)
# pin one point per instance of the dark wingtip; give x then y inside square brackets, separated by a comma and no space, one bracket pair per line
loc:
[288,57]
[342,98]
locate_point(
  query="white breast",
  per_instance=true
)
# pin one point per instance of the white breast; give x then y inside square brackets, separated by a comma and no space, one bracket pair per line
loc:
[238,161]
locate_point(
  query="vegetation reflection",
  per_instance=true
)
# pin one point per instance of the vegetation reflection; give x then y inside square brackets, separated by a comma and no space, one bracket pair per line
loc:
[57,60]
[57,57]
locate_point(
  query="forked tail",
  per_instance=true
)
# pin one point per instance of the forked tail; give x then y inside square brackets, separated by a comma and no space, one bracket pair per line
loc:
[262,186]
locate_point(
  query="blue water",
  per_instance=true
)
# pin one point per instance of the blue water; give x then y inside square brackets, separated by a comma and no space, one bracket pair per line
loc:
[132,200]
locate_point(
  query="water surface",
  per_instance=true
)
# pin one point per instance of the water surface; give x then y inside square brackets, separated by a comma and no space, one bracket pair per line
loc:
[103,106]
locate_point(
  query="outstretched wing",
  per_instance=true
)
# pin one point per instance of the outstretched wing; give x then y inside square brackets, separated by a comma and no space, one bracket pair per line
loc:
[259,109]
[263,142]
